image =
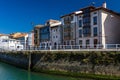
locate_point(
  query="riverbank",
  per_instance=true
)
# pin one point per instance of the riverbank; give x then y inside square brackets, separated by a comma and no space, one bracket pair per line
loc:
[94,65]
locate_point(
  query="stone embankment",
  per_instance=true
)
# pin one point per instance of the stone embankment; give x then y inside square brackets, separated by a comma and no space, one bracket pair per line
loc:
[101,63]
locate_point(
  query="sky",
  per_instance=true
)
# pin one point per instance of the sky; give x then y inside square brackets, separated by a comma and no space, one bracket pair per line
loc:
[17,15]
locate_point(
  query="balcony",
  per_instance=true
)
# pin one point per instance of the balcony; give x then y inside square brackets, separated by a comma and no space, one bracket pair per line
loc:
[67,29]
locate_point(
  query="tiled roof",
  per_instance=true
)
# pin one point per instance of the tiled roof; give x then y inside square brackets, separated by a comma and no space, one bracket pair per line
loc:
[39,26]
[18,35]
[93,9]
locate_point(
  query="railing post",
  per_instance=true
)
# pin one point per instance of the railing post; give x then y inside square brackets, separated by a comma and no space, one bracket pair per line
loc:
[29,63]
[116,47]
[56,47]
[71,47]
[50,48]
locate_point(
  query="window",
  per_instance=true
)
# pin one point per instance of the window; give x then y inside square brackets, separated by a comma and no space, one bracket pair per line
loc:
[86,20]
[67,42]
[72,42]
[95,31]
[87,42]
[95,12]
[87,10]
[80,33]
[86,32]
[80,42]
[95,42]
[80,16]
[64,43]
[80,23]
[71,18]
[4,40]
[95,20]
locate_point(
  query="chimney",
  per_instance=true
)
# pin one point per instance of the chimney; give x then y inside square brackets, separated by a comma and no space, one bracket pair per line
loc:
[104,5]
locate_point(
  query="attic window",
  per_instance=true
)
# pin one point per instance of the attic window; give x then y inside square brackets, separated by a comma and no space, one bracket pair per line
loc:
[80,16]
[71,18]
[95,12]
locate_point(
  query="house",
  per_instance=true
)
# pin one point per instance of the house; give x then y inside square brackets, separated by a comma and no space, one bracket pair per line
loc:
[56,34]
[22,37]
[37,35]
[47,34]
[9,44]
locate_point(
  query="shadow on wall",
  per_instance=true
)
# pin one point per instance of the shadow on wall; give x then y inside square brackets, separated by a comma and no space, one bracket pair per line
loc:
[112,28]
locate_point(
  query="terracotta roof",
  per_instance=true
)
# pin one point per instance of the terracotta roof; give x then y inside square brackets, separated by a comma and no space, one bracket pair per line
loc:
[18,35]
[105,9]
[91,7]
[94,9]
[67,14]
[54,21]
[4,35]
[39,26]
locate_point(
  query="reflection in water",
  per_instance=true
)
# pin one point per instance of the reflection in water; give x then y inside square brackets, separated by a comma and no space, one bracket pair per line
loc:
[29,76]
[8,72]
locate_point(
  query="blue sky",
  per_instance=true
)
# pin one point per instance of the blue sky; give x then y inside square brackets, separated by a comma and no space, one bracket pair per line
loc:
[17,15]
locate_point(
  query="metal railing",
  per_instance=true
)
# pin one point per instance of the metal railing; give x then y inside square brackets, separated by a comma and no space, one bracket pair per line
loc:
[98,47]
[108,47]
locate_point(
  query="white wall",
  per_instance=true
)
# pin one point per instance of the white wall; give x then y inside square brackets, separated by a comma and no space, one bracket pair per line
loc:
[30,39]
[10,44]
[110,28]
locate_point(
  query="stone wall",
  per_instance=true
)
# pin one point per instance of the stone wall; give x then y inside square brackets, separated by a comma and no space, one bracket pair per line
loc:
[105,63]
[18,59]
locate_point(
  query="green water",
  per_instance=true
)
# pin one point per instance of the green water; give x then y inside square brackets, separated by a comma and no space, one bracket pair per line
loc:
[8,72]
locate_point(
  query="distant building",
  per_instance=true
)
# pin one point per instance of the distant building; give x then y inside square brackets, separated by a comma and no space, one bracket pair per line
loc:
[47,35]
[31,39]
[37,35]
[9,44]
[43,34]
[56,34]
[69,28]
[22,37]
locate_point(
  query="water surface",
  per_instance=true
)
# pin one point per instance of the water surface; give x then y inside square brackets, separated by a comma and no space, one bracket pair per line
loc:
[8,72]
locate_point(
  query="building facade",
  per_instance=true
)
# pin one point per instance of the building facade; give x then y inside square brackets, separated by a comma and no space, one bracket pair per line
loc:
[93,26]
[9,44]
[69,32]
[37,35]
[45,36]
[31,39]
[22,37]
[56,34]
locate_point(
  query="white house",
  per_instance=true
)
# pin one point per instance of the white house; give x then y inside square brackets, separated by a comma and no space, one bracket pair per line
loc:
[22,37]
[10,44]
[97,27]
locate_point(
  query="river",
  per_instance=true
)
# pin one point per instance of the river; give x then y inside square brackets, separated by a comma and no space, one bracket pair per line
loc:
[8,72]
